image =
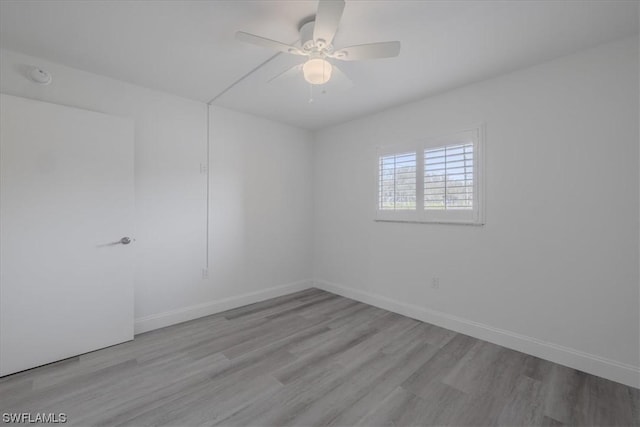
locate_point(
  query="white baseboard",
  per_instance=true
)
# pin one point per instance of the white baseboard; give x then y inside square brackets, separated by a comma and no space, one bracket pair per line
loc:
[168,318]
[576,359]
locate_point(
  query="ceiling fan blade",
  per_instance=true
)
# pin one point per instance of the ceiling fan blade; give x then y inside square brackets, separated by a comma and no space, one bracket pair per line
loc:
[268,43]
[339,79]
[296,70]
[368,51]
[327,20]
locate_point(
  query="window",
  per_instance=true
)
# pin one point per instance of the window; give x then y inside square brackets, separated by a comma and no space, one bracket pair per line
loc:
[434,180]
[448,177]
[397,185]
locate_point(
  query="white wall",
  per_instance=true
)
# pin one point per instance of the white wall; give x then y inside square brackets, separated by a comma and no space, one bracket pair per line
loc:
[554,272]
[170,194]
[260,203]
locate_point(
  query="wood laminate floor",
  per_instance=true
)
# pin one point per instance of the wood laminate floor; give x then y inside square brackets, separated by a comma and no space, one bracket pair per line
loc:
[315,359]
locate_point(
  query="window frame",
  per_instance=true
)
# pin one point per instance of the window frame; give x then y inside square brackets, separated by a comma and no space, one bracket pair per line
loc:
[474,216]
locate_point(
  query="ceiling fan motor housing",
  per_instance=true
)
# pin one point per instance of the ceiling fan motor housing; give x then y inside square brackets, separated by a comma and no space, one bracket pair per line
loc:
[307,42]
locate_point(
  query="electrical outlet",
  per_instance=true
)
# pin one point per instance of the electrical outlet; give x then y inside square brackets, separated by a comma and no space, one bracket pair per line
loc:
[435,283]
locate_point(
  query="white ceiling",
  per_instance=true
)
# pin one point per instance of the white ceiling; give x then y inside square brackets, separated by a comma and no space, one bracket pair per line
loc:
[188,48]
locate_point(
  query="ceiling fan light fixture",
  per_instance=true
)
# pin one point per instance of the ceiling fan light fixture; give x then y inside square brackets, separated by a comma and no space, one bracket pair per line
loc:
[317,71]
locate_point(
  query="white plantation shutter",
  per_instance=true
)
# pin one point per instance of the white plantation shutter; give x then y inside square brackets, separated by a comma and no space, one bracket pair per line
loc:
[397,184]
[448,177]
[434,180]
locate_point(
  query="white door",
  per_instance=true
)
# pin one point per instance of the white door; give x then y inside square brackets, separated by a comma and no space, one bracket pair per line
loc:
[66,196]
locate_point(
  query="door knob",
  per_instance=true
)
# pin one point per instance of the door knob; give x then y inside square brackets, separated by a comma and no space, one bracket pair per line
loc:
[125,240]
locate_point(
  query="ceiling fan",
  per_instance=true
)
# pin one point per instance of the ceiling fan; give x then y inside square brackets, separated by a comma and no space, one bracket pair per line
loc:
[316,43]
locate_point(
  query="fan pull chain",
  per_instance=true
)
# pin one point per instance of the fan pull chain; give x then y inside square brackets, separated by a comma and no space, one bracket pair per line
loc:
[310,93]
